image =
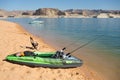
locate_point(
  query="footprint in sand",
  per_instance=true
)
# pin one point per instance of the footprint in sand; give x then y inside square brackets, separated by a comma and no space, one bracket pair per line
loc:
[77,73]
[28,72]
[54,79]
[12,68]
[71,74]
[58,71]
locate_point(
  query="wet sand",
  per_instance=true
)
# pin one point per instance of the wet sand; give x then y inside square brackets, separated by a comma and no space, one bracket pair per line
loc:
[13,38]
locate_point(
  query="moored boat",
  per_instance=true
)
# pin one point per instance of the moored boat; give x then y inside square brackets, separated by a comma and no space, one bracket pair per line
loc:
[36,22]
[44,59]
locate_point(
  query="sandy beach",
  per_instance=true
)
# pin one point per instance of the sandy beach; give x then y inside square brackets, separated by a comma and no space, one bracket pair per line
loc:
[13,38]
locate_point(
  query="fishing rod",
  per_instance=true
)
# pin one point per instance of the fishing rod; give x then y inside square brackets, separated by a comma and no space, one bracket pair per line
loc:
[83,45]
[69,45]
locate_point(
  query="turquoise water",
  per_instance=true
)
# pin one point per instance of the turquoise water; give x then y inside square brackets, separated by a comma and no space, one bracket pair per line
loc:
[102,55]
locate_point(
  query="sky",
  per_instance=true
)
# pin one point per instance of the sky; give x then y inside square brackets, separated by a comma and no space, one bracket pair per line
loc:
[60,4]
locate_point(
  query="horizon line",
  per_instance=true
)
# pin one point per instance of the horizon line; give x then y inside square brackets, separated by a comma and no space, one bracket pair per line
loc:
[55,8]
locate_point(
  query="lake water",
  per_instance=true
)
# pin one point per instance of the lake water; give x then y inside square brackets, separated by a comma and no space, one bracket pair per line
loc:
[102,54]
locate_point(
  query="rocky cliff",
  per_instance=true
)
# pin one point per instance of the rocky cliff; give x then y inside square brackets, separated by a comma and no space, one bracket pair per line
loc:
[71,13]
[48,12]
[5,13]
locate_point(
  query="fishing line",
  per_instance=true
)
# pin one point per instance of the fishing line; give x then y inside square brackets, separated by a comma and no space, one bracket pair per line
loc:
[84,45]
[70,44]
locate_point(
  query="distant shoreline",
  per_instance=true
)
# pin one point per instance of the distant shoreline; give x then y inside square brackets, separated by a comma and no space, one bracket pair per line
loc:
[56,13]
[102,15]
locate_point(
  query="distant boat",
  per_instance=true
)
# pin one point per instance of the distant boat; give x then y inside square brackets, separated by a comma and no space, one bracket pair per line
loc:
[36,22]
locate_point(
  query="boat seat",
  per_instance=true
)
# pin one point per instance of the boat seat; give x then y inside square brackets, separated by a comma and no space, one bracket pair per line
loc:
[29,53]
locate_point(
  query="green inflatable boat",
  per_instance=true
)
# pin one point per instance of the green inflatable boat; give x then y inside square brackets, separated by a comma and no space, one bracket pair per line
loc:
[44,59]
